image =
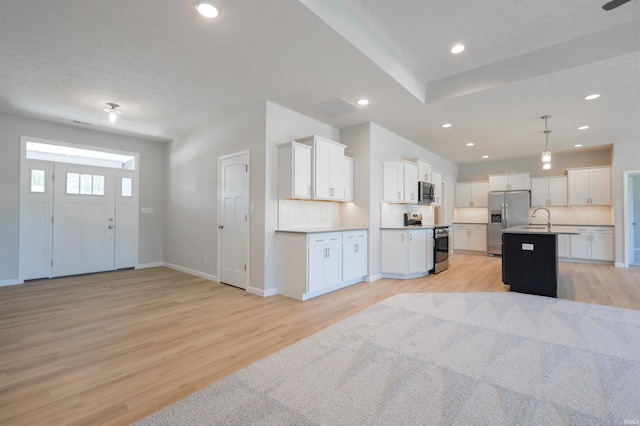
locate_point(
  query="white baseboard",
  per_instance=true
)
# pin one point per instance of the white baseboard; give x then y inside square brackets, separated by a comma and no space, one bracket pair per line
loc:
[191,272]
[10,282]
[620,265]
[149,265]
[372,278]
[262,293]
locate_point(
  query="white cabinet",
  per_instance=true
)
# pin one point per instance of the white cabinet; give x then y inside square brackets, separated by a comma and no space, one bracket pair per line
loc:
[564,245]
[549,191]
[354,255]
[405,253]
[309,265]
[510,182]
[468,237]
[424,169]
[399,182]
[593,243]
[347,178]
[325,261]
[294,171]
[472,194]
[590,187]
[327,164]
[437,188]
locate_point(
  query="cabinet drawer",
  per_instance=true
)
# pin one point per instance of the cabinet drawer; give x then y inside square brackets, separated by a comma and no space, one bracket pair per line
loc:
[323,239]
[349,236]
[595,229]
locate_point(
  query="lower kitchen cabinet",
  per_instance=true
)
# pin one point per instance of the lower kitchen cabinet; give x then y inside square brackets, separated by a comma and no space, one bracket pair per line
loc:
[468,237]
[311,264]
[593,243]
[406,253]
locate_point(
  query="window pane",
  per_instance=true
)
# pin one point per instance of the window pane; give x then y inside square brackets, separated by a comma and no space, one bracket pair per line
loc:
[37,180]
[86,184]
[98,185]
[73,183]
[127,190]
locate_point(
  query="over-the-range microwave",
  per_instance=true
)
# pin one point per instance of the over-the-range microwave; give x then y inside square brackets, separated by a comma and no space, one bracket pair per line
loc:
[425,193]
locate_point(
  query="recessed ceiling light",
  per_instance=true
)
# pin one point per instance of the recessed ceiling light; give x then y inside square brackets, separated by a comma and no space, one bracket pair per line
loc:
[470,144]
[485,156]
[583,127]
[579,145]
[207,9]
[458,48]
[591,97]
[363,101]
[446,125]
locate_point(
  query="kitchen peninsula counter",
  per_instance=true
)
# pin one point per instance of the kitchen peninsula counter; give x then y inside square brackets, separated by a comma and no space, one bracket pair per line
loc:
[321,230]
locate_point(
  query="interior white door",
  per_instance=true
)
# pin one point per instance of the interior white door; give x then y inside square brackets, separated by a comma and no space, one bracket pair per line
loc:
[83,219]
[233,227]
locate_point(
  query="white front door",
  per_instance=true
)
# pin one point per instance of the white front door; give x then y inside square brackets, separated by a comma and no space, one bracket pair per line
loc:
[83,219]
[233,224]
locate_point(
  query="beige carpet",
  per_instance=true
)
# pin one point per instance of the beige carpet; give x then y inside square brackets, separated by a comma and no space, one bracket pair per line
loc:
[473,358]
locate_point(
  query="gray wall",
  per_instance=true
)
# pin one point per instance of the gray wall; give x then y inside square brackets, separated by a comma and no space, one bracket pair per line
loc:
[151,183]
[626,157]
[560,163]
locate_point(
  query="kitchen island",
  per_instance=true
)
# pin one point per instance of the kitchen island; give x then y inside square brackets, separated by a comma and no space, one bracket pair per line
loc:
[530,258]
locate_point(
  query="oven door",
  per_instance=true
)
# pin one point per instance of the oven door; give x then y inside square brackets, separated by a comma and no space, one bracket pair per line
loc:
[441,253]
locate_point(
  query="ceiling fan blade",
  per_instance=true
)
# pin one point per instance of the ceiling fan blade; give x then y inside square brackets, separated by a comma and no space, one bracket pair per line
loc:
[613,4]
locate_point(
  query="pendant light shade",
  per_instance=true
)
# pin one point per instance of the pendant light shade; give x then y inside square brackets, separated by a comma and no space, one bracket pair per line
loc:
[111,113]
[546,154]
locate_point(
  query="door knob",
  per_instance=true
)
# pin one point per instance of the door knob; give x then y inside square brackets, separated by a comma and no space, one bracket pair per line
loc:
[110,226]
[220,227]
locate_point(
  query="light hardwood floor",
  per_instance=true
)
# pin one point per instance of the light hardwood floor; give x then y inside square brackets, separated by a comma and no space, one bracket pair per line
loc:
[114,347]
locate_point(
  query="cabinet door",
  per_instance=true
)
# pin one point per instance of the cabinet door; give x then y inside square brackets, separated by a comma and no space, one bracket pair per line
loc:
[392,181]
[479,194]
[424,171]
[463,195]
[333,264]
[600,186]
[564,245]
[519,181]
[417,251]
[393,252]
[498,183]
[316,274]
[581,246]
[539,192]
[602,247]
[347,178]
[361,257]
[336,163]
[322,174]
[578,187]
[430,251]
[410,183]
[301,171]
[557,191]
[437,188]
[460,238]
[478,239]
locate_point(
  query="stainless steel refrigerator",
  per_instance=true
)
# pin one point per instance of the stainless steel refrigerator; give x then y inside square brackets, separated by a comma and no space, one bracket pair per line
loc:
[506,209]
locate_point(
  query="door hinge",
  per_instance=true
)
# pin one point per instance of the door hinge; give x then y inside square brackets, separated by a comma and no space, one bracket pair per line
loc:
[51,262]
[246,167]
[245,218]
[245,267]
[51,219]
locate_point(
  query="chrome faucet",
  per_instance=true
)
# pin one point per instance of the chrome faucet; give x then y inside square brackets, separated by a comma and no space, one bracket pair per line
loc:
[548,215]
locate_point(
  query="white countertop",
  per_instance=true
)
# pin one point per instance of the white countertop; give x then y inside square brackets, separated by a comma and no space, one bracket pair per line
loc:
[319,230]
[543,229]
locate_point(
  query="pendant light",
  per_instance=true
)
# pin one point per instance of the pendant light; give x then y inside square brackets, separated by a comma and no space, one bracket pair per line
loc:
[111,113]
[546,154]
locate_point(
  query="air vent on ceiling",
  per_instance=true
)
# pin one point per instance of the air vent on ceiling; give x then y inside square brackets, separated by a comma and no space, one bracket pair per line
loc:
[337,106]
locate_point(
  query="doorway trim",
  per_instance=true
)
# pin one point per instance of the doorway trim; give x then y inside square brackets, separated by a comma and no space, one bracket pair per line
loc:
[627,228]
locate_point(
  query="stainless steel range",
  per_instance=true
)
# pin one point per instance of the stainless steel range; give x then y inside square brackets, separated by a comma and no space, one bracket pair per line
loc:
[441,251]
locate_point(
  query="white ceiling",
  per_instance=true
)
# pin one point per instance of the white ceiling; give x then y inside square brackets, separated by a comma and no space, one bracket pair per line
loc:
[172,70]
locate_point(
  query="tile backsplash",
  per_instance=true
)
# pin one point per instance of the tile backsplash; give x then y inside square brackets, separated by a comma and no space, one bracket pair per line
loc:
[301,214]
[574,215]
[392,215]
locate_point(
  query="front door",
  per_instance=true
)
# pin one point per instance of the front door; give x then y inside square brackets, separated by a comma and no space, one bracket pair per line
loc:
[233,226]
[83,219]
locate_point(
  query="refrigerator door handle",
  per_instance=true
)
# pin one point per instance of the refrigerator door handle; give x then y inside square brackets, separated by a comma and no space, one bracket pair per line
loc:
[505,215]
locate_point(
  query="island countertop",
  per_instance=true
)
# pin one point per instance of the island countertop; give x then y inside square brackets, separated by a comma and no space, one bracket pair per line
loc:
[543,229]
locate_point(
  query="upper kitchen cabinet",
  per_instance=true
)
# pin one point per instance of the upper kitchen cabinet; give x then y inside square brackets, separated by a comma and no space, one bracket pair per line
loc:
[510,182]
[437,188]
[399,182]
[590,187]
[294,171]
[347,178]
[424,169]
[549,191]
[472,194]
[327,162]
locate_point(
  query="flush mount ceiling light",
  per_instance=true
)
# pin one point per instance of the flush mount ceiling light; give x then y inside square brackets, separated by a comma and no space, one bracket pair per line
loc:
[446,125]
[546,154]
[112,113]
[470,144]
[363,101]
[485,156]
[583,127]
[207,9]
[578,145]
[458,48]
[592,97]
